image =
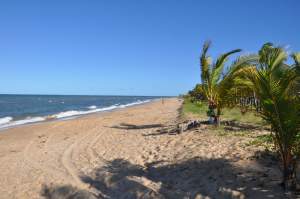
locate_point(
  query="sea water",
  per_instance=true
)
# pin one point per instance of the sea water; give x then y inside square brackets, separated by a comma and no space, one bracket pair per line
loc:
[23,109]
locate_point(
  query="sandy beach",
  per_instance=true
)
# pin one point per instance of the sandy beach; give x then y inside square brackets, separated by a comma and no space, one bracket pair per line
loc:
[121,154]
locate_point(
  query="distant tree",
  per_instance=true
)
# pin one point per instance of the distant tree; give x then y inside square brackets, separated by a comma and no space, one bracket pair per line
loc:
[197,93]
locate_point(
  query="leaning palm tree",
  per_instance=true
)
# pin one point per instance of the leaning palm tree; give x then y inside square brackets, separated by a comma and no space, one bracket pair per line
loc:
[217,84]
[273,82]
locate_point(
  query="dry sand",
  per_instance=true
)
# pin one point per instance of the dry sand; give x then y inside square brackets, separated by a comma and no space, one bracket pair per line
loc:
[121,154]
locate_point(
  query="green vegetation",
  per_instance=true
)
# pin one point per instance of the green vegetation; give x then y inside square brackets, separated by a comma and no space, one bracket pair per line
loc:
[196,94]
[273,82]
[223,131]
[199,109]
[264,81]
[263,140]
[217,84]
[235,114]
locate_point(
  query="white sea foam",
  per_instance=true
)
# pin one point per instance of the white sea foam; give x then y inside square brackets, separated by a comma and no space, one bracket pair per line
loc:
[134,103]
[5,120]
[76,113]
[92,107]
[29,120]
[21,122]
[66,114]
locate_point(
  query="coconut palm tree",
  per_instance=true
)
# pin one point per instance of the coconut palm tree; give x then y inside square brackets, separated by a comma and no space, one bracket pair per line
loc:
[273,82]
[217,84]
[296,58]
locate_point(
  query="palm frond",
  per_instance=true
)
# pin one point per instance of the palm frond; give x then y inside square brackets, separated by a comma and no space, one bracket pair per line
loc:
[219,65]
[224,57]
[271,56]
[205,62]
[243,61]
[296,58]
[273,81]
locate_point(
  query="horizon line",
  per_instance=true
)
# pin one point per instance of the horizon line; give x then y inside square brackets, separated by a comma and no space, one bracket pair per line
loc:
[91,95]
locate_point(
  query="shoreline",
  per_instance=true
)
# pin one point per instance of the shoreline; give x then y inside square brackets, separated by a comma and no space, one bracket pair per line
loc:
[48,119]
[37,155]
[126,153]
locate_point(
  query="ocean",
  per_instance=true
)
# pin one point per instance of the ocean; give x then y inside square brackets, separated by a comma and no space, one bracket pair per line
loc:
[23,109]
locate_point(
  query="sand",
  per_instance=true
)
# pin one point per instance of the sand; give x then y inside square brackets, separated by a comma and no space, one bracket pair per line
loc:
[121,154]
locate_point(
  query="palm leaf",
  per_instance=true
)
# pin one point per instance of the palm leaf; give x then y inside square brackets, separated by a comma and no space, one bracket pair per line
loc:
[219,65]
[205,62]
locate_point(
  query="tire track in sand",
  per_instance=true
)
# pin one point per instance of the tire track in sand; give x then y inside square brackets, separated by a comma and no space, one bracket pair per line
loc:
[67,162]
[28,160]
[93,155]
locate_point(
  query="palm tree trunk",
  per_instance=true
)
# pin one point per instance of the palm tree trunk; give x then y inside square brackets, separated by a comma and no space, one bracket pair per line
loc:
[289,171]
[217,120]
[218,117]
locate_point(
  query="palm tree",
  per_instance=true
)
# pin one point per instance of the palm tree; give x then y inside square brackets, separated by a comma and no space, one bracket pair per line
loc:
[217,84]
[273,82]
[296,58]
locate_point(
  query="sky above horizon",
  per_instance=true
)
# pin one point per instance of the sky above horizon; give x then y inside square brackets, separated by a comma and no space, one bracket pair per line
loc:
[134,47]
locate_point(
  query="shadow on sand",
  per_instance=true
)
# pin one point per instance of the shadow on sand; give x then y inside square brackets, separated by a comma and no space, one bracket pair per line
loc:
[233,125]
[133,126]
[229,125]
[194,178]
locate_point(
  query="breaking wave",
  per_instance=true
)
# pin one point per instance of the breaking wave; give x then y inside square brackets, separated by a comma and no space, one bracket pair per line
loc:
[7,122]
[27,120]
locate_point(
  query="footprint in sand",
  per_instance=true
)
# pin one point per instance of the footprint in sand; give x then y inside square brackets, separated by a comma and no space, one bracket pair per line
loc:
[42,140]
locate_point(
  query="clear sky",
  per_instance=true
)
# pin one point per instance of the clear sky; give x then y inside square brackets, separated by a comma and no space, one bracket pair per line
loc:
[132,47]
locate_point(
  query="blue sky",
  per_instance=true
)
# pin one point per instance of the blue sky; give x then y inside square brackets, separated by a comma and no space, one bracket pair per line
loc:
[133,47]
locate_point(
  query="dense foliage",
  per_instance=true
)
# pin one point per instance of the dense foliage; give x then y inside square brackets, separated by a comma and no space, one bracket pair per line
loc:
[267,81]
[275,85]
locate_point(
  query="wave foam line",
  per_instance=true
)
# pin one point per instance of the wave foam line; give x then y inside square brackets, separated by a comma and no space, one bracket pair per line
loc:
[27,120]
[7,122]
[77,113]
